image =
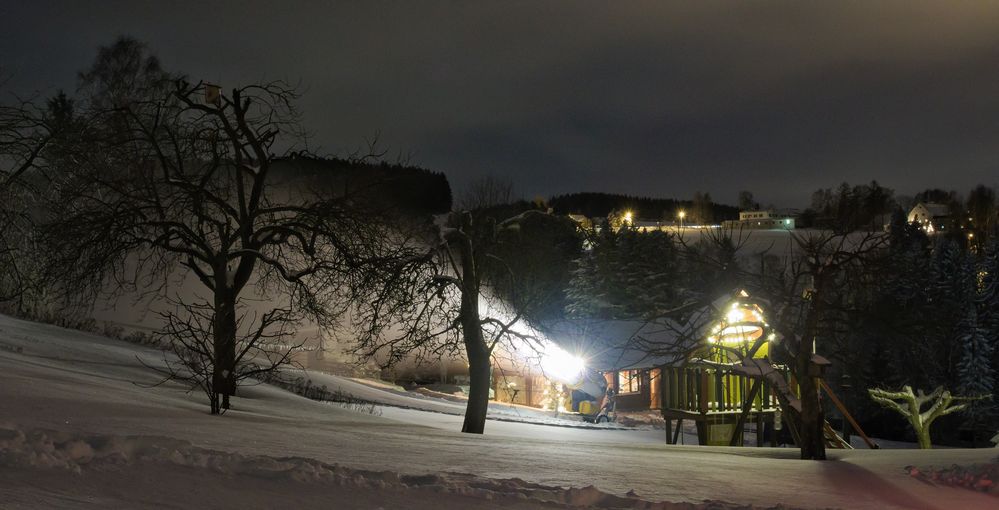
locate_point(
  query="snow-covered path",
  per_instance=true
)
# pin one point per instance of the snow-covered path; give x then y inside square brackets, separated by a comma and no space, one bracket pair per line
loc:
[66,380]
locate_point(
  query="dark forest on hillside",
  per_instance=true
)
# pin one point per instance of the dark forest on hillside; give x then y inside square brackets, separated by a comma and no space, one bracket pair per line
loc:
[410,189]
[593,204]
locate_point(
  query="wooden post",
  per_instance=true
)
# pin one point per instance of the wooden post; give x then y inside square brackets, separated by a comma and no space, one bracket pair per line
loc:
[846,414]
[721,403]
[759,429]
[528,388]
[702,391]
[746,406]
[774,432]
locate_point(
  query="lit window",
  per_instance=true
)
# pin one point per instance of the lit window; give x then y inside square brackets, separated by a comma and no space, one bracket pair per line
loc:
[629,381]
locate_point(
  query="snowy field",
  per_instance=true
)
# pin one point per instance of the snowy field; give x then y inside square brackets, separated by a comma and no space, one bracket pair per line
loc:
[78,429]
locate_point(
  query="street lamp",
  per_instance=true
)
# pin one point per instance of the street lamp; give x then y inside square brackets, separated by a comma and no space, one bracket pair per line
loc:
[681,215]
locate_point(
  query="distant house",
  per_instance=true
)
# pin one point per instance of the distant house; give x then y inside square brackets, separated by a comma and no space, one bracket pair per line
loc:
[625,220]
[620,358]
[761,220]
[931,216]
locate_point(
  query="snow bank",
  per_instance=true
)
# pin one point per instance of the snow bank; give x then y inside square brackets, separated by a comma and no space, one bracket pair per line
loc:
[48,449]
[978,477]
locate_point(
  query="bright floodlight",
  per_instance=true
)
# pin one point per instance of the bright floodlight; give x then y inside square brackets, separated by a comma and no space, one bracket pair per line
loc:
[734,315]
[682,214]
[562,366]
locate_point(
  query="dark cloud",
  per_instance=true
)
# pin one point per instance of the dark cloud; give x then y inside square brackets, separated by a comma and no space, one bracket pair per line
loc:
[650,98]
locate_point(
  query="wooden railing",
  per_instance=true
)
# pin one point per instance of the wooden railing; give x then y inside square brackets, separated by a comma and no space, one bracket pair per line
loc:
[712,389]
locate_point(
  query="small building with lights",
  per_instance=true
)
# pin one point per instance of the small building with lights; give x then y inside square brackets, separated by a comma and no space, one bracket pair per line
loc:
[931,217]
[760,220]
[528,368]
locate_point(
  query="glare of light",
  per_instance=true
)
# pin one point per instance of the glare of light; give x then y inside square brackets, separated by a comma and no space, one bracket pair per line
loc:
[734,315]
[627,217]
[682,214]
[564,367]
[739,331]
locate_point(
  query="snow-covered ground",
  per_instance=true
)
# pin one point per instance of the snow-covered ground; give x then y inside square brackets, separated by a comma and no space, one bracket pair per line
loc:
[395,397]
[78,404]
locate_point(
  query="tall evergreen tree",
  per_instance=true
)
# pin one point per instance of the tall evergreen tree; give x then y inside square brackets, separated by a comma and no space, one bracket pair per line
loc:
[625,274]
[975,372]
[978,365]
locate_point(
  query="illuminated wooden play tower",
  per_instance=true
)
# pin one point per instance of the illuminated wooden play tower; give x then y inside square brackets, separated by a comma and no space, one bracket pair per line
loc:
[733,377]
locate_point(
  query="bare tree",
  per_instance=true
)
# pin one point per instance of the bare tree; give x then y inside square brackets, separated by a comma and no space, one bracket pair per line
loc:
[910,405]
[702,209]
[488,191]
[805,292]
[28,130]
[124,74]
[172,184]
[189,337]
[807,305]
[443,302]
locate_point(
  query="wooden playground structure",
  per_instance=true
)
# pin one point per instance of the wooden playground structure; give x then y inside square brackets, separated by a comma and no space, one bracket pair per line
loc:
[731,379]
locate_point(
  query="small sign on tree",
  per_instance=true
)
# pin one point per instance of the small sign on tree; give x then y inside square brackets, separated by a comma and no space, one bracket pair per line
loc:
[213,94]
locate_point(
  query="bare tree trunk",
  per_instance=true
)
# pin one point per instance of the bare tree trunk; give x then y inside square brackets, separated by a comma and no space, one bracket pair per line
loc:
[224,371]
[213,401]
[813,444]
[479,371]
[478,352]
[923,436]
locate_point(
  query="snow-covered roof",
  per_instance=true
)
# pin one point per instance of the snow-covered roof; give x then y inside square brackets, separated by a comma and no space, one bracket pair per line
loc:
[935,210]
[635,344]
[604,344]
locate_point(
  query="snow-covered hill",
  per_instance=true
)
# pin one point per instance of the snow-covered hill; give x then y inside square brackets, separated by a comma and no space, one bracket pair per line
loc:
[81,428]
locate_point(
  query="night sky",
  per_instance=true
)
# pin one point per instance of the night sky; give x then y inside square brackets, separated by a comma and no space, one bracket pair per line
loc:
[656,99]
